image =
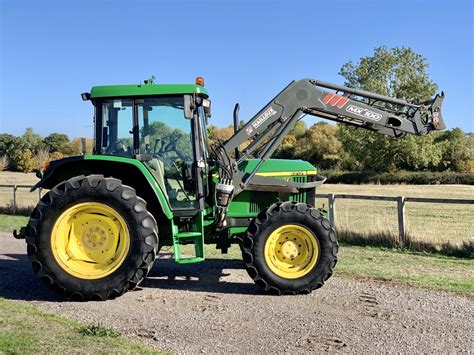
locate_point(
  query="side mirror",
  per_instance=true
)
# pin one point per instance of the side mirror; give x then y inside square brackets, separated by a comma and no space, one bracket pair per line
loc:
[188,107]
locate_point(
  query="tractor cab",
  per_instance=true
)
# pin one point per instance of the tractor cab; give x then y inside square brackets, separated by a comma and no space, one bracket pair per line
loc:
[163,126]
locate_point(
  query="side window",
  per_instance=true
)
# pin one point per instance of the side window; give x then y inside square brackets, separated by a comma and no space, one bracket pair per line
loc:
[117,126]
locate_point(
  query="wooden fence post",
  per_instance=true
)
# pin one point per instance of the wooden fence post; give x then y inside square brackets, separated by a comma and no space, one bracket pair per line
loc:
[332,209]
[15,187]
[401,220]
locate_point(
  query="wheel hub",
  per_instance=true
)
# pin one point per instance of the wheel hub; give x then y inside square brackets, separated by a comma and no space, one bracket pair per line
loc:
[291,251]
[94,236]
[90,240]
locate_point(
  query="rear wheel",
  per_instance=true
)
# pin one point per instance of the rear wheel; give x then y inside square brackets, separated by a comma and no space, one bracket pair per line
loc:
[92,238]
[290,248]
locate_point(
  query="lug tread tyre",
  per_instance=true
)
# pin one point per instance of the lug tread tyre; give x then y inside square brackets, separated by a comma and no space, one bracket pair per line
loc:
[141,224]
[265,223]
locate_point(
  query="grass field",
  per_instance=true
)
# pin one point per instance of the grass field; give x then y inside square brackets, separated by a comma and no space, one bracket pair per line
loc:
[435,223]
[27,330]
[24,197]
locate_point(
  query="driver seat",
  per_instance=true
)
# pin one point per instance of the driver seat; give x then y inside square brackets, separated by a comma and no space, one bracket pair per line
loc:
[158,171]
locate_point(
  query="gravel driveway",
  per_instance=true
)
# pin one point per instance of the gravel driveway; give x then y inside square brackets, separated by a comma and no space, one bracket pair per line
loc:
[215,307]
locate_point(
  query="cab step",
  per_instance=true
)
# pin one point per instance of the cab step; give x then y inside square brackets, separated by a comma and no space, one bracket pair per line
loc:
[194,237]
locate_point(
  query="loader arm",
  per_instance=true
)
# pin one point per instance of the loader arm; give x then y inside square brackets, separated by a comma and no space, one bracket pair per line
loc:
[364,109]
[266,130]
[383,114]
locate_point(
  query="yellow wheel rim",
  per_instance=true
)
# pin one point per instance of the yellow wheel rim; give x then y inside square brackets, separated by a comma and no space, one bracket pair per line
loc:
[291,251]
[90,240]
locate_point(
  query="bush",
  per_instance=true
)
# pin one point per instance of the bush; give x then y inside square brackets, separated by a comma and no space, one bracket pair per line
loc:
[56,156]
[400,177]
[41,158]
[23,161]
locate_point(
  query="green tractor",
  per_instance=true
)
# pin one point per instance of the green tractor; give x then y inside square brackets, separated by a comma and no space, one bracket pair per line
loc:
[154,180]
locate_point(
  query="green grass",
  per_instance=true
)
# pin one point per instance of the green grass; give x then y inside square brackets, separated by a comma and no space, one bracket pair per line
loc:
[413,269]
[98,330]
[9,223]
[391,265]
[27,330]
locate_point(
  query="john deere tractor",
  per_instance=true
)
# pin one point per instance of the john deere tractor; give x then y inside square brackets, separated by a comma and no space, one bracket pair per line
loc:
[155,180]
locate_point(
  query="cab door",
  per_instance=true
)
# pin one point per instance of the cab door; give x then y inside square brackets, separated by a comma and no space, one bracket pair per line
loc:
[167,138]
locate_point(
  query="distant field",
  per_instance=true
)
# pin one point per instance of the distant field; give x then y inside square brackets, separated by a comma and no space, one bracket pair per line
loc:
[429,222]
[436,223]
[24,197]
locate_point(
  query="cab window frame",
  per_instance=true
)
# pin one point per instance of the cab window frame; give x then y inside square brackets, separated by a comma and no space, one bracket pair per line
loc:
[197,146]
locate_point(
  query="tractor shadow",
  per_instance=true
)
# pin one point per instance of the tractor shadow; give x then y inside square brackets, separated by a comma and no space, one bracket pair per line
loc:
[210,276]
[18,281]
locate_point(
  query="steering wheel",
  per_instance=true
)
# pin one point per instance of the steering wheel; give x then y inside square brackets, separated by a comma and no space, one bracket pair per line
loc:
[170,146]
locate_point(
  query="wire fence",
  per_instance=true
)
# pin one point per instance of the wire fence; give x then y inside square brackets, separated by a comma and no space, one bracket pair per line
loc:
[400,203]
[14,195]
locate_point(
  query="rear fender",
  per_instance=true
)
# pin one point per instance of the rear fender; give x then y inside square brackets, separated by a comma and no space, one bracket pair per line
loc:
[131,171]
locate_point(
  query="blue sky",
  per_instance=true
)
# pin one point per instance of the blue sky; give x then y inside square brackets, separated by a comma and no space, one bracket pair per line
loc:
[51,51]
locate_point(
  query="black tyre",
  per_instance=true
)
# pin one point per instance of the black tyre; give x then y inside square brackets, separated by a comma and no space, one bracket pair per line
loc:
[290,248]
[91,238]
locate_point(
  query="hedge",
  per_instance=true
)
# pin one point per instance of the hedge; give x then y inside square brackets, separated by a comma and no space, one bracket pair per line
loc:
[400,177]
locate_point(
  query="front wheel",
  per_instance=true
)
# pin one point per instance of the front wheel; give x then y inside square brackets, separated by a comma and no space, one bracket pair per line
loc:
[290,248]
[92,238]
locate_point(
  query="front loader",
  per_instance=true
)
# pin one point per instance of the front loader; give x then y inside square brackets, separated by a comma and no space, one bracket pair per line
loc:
[154,180]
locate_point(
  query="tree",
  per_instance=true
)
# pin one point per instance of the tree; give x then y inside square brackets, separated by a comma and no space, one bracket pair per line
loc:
[215,133]
[319,145]
[398,72]
[286,150]
[23,160]
[55,141]
[299,130]
[33,141]
[419,153]
[74,147]
[456,150]
[6,142]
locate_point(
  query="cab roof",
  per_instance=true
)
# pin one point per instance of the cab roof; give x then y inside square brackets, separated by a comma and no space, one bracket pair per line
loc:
[146,90]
